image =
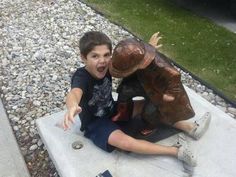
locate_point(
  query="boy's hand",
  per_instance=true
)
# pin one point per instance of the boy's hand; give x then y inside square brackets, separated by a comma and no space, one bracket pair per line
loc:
[154,40]
[70,116]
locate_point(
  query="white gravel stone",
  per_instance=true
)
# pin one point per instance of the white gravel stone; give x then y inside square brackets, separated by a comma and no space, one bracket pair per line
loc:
[15,128]
[37,103]
[16,119]
[221,108]
[39,143]
[231,115]
[33,147]
[232,110]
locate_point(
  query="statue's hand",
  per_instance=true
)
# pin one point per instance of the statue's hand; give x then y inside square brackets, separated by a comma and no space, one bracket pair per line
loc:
[168,98]
[154,40]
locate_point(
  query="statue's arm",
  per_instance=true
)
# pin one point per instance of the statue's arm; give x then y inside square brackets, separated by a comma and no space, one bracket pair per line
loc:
[174,84]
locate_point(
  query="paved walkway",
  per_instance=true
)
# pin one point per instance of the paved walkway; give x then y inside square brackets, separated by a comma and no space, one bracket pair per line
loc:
[12,163]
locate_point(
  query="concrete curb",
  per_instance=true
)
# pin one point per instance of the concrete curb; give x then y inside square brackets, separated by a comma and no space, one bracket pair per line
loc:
[12,163]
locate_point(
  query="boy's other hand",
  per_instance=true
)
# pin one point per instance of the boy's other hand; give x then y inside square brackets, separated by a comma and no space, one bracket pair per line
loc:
[154,40]
[70,116]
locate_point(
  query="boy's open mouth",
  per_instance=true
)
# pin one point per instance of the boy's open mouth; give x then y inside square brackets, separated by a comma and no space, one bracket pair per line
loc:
[101,69]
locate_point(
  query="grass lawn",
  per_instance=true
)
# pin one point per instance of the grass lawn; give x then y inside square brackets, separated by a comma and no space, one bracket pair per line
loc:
[205,49]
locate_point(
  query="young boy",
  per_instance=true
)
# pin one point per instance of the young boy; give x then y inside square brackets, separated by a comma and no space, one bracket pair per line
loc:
[91,97]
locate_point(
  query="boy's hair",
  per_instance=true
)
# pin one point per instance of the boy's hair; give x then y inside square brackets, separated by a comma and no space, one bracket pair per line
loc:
[91,39]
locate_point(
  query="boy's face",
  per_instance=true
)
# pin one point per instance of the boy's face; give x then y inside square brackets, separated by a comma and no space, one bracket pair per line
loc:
[97,60]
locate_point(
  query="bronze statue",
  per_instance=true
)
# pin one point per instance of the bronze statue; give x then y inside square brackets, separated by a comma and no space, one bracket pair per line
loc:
[146,72]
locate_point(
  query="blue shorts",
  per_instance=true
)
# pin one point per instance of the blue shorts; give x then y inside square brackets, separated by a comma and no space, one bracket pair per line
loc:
[99,131]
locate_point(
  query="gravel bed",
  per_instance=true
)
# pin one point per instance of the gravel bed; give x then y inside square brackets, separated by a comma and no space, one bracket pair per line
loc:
[38,54]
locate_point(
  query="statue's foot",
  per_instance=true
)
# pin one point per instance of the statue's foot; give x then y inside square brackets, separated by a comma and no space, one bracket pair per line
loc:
[200,126]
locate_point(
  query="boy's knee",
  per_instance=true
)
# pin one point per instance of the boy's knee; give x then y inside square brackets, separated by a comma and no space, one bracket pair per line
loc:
[120,140]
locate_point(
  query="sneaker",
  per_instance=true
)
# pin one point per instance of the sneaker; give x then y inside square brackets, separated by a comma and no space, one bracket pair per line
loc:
[201,126]
[185,153]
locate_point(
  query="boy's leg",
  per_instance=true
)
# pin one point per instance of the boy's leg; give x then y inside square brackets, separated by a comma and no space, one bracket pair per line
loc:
[107,135]
[197,128]
[181,149]
[125,142]
[124,111]
[98,132]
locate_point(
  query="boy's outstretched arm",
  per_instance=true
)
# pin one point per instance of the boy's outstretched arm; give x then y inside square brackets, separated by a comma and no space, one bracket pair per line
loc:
[72,103]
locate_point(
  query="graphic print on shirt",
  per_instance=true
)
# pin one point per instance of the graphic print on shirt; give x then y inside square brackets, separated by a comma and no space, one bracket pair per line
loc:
[102,97]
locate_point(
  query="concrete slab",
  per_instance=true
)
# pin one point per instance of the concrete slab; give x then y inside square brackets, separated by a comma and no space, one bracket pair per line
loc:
[216,150]
[12,163]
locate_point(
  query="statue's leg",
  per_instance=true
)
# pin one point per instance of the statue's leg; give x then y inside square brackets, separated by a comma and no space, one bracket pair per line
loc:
[151,118]
[129,88]
[124,111]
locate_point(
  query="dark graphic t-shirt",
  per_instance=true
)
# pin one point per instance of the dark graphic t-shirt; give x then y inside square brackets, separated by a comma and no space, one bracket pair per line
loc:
[97,101]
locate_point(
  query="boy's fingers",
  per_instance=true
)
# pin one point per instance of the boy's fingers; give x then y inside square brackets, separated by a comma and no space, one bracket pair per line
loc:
[71,118]
[155,34]
[154,40]
[158,38]
[78,110]
[159,46]
[153,37]
[66,122]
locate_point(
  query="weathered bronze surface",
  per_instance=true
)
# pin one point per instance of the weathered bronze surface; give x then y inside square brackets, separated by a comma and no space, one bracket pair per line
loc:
[159,82]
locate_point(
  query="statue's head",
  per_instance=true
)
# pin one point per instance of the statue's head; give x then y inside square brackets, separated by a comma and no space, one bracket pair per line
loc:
[130,55]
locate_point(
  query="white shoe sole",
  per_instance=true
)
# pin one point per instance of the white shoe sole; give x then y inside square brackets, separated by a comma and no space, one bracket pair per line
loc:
[202,126]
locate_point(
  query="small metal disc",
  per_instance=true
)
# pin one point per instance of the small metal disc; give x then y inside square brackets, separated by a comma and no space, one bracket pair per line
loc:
[77,145]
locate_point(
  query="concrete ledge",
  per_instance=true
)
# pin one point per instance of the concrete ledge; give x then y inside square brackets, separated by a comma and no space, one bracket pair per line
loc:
[12,163]
[216,154]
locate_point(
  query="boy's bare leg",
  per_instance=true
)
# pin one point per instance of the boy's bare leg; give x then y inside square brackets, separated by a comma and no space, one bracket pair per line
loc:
[184,126]
[197,128]
[127,143]
[181,150]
